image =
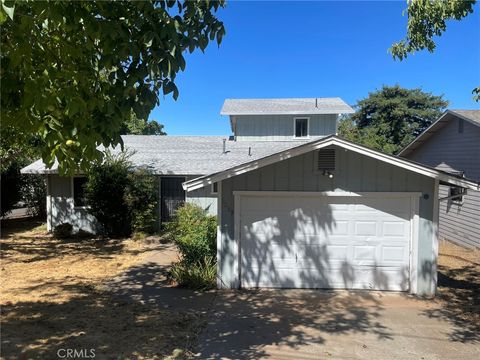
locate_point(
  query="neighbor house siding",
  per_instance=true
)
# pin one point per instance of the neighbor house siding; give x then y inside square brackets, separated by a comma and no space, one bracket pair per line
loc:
[355,173]
[460,223]
[460,151]
[280,127]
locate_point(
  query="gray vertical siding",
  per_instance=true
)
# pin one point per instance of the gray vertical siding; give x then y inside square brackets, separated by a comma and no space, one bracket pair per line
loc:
[461,151]
[280,127]
[354,173]
[203,197]
[62,209]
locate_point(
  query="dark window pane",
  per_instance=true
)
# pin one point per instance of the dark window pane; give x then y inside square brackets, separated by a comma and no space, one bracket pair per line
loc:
[456,191]
[301,127]
[215,188]
[79,191]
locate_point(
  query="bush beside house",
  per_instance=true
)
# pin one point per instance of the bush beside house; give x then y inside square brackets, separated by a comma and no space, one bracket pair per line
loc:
[121,198]
[194,233]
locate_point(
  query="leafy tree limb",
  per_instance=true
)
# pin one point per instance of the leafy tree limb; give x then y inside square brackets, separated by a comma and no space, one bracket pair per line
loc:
[74,71]
[426,19]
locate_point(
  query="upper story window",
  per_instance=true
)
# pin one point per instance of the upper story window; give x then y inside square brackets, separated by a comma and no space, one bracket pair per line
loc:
[301,127]
[79,191]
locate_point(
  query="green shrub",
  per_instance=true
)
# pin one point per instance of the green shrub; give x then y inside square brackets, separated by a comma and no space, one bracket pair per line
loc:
[142,199]
[105,191]
[63,231]
[194,232]
[10,182]
[34,194]
[200,275]
[120,198]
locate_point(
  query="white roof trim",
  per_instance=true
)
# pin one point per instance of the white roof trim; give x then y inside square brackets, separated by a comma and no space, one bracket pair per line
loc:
[203,181]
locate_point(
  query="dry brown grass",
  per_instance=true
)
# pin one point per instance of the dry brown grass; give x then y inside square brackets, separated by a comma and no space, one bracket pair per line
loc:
[459,289]
[53,297]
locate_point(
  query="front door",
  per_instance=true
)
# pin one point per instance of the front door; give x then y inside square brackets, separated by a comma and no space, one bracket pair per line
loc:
[172,196]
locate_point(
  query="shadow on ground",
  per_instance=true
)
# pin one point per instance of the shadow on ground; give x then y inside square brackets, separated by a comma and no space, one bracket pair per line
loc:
[138,316]
[245,322]
[26,240]
[459,290]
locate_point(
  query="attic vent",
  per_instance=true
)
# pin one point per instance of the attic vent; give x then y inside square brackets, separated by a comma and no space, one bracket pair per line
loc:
[326,159]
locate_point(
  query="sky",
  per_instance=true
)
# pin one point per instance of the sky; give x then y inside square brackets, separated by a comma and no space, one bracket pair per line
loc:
[316,49]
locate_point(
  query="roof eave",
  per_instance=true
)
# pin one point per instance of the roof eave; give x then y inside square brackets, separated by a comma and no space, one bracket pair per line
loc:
[203,181]
[310,112]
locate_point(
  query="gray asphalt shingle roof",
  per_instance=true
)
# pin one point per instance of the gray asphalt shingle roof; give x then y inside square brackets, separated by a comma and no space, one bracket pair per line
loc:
[473,115]
[285,106]
[187,155]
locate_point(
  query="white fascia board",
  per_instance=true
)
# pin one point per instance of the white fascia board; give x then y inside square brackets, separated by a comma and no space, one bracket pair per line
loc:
[302,149]
[293,112]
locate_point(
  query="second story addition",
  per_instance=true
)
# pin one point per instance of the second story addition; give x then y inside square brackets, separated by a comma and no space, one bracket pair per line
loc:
[284,119]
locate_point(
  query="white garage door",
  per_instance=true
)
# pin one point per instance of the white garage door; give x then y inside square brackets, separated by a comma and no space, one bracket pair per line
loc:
[325,242]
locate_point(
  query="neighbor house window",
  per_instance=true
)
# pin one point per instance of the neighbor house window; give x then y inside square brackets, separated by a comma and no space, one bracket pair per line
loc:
[460,126]
[455,190]
[215,188]
[79,191]
[301,127]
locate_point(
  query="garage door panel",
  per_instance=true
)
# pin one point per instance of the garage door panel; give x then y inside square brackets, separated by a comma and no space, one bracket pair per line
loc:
[338,278]
[325,242]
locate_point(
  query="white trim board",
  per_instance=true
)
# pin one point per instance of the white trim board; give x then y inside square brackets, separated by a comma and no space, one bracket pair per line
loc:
[322,143]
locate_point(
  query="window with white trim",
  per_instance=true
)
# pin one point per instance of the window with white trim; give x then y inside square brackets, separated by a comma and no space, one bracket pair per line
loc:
[301,127]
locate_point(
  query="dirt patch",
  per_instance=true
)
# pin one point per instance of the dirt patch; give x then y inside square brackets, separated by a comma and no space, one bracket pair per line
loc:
[459,290]
[53,298]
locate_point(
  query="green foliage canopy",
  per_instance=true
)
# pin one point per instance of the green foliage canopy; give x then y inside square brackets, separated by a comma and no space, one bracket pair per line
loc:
[74,71]
[426,19]
[390,118]
[136,126]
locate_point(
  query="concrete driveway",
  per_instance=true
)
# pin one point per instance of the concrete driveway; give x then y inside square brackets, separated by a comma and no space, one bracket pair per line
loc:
[302,324]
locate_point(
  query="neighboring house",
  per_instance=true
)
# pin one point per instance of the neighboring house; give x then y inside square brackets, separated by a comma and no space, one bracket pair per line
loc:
[452,143]
[297,206]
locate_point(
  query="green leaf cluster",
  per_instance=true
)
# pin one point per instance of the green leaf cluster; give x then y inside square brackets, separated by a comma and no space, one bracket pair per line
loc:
[390,118]
[137,126]
[427,19]
[194,233]
[74,71]
[122,199]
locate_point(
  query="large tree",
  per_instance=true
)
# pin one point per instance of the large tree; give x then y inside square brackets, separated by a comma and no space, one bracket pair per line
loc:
[389,118]
[74,71]
[426,19]
[136,126]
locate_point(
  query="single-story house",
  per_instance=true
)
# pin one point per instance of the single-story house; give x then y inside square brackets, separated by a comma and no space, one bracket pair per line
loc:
[297,206]
[452,144]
